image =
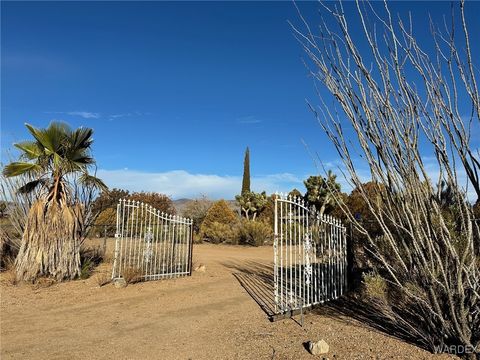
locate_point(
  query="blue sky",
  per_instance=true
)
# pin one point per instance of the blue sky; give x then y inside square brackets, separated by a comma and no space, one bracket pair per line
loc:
[174,91]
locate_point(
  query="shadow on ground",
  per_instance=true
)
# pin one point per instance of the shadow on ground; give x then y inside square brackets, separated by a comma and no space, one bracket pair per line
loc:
[257,279]
[365,314]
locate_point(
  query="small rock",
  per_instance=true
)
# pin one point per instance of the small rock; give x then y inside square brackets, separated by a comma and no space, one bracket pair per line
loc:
[201,268]
[120,283]
[318,348]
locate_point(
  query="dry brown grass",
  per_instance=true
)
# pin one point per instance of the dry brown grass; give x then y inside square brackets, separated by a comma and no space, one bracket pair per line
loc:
[103,278]
[374,286]
[132,275]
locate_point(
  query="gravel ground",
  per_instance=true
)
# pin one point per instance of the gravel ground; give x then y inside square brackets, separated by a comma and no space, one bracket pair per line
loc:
[210,315]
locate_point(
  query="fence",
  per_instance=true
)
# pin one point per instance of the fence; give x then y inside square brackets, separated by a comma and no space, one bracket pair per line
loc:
[310,256]
[150,242]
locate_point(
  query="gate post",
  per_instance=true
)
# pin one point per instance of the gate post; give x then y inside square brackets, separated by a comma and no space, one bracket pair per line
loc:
[190,249]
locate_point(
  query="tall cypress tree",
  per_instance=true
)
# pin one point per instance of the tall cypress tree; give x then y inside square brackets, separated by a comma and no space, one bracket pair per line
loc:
[246,172]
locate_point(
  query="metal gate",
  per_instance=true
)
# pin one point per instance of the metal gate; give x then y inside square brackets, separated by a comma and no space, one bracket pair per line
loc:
[150,243]
[310,256]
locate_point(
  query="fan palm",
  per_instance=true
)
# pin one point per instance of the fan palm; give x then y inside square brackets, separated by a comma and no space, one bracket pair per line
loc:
[56,163]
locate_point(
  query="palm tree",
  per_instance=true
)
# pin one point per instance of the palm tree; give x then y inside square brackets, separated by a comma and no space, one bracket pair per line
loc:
[56,164]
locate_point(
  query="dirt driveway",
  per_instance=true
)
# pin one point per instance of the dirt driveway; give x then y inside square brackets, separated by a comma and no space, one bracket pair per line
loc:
[207,316]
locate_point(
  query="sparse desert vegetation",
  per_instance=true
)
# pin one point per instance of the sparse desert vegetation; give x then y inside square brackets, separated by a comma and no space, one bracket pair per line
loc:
[371,250]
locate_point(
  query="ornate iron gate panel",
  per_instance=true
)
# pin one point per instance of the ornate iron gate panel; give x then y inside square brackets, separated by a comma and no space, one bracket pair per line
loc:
[152,244]
[310,256]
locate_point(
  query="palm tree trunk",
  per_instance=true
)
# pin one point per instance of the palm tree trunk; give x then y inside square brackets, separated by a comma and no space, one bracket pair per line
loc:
[50,243]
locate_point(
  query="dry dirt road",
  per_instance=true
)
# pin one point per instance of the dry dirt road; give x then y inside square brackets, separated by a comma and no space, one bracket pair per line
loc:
[207,316]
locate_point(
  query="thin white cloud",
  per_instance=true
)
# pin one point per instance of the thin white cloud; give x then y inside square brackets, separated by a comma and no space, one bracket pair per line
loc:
[248,120]
[182,184]
[96,115]
[84,114]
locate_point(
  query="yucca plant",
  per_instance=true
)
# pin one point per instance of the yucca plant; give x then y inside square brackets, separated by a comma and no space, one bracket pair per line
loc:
[56,163]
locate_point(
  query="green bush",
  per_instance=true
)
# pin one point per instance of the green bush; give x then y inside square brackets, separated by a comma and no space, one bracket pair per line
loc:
[105,223]
[255,233]
[219,223]
[374,286]
[217,233]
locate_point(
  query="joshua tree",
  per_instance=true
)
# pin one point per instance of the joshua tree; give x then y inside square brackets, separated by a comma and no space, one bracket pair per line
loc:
[246,172]
[252,203]
[320,191]
[56,164]
[401,103]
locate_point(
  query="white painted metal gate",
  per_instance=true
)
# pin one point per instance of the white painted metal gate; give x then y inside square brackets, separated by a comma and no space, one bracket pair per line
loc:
[310,256]
[150,243]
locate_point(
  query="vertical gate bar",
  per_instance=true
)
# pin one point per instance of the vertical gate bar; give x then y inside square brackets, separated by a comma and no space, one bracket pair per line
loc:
[275,254]
[335,246]
[345,265]
[335,262]
[327,258]
[137,245]
[172,241]
[147,243]
[297,251]
[281,254]
[305,255]
[135,250]
[190,248]
[290,223]
[187,239]
[330,262]
[132,226]
[293,251]
[184,243]
[184,246]
[175,245]
[123,244]
[141,216]
[155,241]
[117,240]
[314,261]
[300,245]
[322,225]
[167,244]
[124,256]
[122,239]
[340,239]
[164,246]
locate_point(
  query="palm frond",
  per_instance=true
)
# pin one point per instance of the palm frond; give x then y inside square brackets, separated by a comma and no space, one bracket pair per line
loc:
[90,180]
[81,138]
[19,168]
[31,149]
[53,137]
[31,185]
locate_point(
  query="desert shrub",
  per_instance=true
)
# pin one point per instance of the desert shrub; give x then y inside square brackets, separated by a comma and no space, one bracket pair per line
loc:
[254,233]
[217,233]
[267,214]
[105,223]
[103,278]
[374,286]
[159,201]
[90,258]
[8,250]
[108,199]
[132,275]
[197,211]
[219,214]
